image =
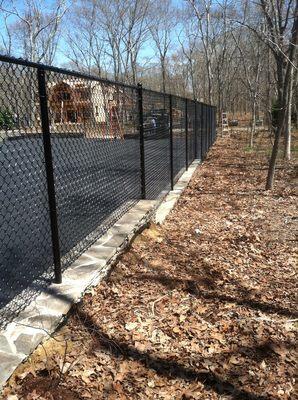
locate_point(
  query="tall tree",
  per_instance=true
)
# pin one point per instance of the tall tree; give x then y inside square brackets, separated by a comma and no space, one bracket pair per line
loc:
[203,12]
[278,30]
[281,36]
[161,22]
[250,54]
[85,38]
[35,26]
[188,39]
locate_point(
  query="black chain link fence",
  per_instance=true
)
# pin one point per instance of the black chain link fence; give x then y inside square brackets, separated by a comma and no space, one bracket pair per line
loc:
[77,152]
[191,115]
[156,119]
[179,137]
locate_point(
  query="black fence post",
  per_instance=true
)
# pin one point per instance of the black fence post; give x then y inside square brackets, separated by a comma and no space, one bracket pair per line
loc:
[208,119]
[200,128]
[46,134]
[171,143]
[141,132]
[196,131]
[206,124]
[205,131]
[186,135]
[215,123]
[209,127]
[213,130]
[202,132]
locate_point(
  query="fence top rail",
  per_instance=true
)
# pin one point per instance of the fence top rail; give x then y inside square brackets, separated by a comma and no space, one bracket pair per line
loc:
[155,91]
[192,100]
[26,63]
[185,98]
[167,94]
[51,68]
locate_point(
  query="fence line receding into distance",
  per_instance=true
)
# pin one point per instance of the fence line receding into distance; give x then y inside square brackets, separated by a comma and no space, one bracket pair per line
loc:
[76,152]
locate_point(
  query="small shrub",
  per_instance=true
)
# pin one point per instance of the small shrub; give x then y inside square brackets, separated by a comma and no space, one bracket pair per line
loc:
[248,149]
[6,119]
[274,113]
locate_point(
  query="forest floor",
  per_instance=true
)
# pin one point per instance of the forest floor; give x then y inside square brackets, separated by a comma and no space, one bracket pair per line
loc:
[202,307]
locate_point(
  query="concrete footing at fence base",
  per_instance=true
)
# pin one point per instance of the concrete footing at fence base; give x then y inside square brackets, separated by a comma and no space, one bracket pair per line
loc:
[42,317]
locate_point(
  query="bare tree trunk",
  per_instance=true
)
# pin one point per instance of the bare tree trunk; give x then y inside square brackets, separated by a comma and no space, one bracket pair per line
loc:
[284,67]
[283,87]
[210,89]
[273,158]
[287,150]
[163,75]
[253,123]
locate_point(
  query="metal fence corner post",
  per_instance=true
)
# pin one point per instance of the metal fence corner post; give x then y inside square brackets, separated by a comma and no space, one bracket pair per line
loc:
[215,123]
[142,148]
[202,132]
[210,126]
[46,135]
[196,132]
[186,135]
[171,142]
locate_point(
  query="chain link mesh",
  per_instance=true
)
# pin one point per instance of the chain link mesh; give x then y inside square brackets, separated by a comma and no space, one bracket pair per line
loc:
[204,130]
[95,144]
[156,115]
[25,235]
[198,132]
[191,131]
[95,141]
[179,140]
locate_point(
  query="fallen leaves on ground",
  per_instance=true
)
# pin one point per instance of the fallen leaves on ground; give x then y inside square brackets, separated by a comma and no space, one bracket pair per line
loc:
[202,307]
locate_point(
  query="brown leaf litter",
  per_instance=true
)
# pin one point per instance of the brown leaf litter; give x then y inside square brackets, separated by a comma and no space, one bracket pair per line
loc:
[202,307]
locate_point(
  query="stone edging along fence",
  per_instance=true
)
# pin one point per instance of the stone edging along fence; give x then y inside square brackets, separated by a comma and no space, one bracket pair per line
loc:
[76,153]
[41,318]
[81,159]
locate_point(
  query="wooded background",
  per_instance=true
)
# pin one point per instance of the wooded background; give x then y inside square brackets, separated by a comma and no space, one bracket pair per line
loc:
[236,54]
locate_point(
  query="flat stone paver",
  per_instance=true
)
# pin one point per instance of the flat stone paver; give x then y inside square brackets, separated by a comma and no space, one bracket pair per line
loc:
[172,197]
[44,314]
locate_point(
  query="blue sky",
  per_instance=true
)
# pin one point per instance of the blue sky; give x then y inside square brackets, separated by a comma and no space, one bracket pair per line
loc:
[146,53]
